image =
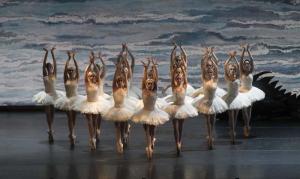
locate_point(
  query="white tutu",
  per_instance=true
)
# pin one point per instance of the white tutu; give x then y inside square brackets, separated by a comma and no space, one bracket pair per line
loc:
[181,111]
[254,94]
[206,106]
[119,114]
[44,98]
[100,106]
[67,104]
[237,102]
[154,117]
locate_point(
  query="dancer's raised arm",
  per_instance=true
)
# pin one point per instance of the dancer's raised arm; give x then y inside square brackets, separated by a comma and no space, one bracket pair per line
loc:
[172,58]
[76,66]
[183,56]
[66,67]
[132,60]
[54,61]
[103,71]
[145,74]
[45,62]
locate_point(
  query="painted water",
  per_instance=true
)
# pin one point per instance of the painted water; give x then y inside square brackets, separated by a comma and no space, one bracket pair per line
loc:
[149,27]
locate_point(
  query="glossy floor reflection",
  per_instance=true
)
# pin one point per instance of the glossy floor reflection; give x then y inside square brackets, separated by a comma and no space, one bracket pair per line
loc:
[273,152]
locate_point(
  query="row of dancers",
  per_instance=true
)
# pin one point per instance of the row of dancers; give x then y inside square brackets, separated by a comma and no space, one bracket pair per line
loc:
[181,100]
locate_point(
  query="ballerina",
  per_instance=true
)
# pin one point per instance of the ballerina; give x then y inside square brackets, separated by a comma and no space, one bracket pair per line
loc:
[234,99]
[180,108]
[182,61]
[253,93]
[150,116]
[198,93]
[120,113]
[92,105]
[50,94]
[210,104]
[65,103]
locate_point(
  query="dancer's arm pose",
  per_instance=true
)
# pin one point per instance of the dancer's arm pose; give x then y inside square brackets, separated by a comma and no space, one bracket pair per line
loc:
[45,71]
[172,58]
[54,61]
[66,77]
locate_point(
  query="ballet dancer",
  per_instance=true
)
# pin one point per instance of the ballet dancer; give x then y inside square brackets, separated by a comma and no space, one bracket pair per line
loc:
[150,116]
[253,93]
[65,103]
[50,94]
[120,113]
[180,108]
[210,104]
[92,105]
[234,99]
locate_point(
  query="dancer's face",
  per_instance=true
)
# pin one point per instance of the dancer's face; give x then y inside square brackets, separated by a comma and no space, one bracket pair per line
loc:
[209,70]
[247,66]
[120,82]
[50,69]
[150,84]
[179,76]
[71,73]
[232,72]
[92,77]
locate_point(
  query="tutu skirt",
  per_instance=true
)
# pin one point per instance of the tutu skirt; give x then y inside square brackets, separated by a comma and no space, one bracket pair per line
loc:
[154,117]
[100,106]
[66,104]
[119,114]
[44,98]
[237,102]
[254,94]
[207,106]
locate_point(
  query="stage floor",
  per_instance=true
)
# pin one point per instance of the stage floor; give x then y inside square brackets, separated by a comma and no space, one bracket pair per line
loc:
[273,151]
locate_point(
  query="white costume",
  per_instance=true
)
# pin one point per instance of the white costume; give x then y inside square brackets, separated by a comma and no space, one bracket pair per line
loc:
[50,95]
[122,109]
[67,101]
[93,103]
[180,106]
[210,103]
[150,114]
[253,93]
[235,99]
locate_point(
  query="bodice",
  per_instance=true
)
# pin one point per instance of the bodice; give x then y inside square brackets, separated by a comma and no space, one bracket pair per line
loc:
[179,95]
[246,82]
[209,89]
[92,93]
[149,100]
[71,88]
[49,83]
[119,97]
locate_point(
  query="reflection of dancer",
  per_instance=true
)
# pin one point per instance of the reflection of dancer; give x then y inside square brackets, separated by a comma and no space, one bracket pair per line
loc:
[210,104]
[71,77]
[48,97]
[253,93]
[93,105]
[180,108]
[150,116]
[234,99]
[120,113]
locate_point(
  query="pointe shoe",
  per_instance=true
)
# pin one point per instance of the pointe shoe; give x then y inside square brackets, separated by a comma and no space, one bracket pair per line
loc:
[178,148]
[98,135]
[153,143]
[93,144]
[72,139]
[149,153]
[119,146]
[210,142]
[246,131]
[50,137]
[232,136]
